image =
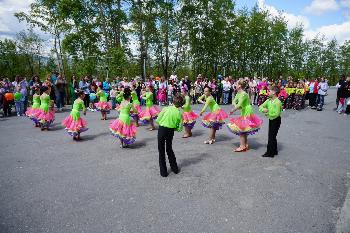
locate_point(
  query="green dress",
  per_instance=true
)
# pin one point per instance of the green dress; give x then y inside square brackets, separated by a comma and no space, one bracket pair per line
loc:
[135,99]
[149,99]
[73,123]
[77,107]
[46,117]
[242,102]
[211,103]
[45,102]
[36,101]
[123,128]
[187,106]
[216,118]
[248,122]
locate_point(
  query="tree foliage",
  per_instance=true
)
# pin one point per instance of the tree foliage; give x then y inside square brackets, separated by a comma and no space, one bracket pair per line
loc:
[210,37]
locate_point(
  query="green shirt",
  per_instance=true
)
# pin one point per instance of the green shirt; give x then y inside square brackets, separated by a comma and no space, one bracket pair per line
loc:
[187,105]
[274,108]
[135,99]
[78,106]
[170,117]
[124,114]
[211,103]
[242,102]
[45,102]
[120,97]
[36,101]
[149,99]
[102,95]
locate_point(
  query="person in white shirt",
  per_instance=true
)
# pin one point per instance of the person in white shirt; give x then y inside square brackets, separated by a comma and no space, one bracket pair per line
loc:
[226,89]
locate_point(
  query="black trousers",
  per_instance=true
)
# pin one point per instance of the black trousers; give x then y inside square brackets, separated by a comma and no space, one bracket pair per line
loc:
[87,100]
[165,138]
[274,126]
[312,99]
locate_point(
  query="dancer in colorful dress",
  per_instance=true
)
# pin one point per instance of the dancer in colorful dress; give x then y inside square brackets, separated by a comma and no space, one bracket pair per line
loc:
[34,111]
[103,105]
[47,114]
[73,123]
[248,123]
[188,116]
[123,128]
[150,113]
[272,108]
[137,105]
[213,120]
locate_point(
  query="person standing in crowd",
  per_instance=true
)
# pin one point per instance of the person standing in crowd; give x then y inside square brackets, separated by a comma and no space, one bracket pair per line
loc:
[187,82]
[60,89]
[33,84]
[339,89]
[24,91]
[173,77]
[346,96]
[313,85]
[19,101]
[84,85]
[226,89]
[7,102]
[322,92]
[162,91]
[106,87]
[198,87]
[73,88]
[252,90]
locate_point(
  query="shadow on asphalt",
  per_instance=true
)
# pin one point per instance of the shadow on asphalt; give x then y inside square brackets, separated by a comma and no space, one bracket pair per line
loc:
[193,160]
[92,137]
[223,137]
[138,144]
[197,133]
[56,127]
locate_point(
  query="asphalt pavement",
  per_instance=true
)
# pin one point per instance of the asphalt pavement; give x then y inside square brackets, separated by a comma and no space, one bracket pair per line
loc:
[50,183]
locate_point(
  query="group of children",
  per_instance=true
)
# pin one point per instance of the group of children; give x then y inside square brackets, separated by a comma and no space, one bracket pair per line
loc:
[169,119]
[292,96]
[42,112]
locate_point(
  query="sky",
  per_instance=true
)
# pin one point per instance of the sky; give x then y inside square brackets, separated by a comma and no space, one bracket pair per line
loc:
[330,18]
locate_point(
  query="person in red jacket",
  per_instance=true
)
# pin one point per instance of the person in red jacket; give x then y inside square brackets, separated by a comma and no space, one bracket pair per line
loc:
[313,85]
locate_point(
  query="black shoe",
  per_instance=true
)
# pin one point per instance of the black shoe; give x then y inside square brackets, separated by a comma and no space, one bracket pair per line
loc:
[176,170]
[267,156]
[163,174]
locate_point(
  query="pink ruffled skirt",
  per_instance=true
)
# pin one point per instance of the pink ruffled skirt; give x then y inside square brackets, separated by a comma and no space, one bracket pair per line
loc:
[103,106]
[46,118]
[33,114]
[149,113]
[189,119]
[245,124]
[74,127]
[126,133]
[215,119]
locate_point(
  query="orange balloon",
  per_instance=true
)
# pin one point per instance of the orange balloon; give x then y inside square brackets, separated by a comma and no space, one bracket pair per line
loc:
[9,96]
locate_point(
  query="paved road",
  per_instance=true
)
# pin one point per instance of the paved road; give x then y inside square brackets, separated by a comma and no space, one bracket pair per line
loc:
[49,183]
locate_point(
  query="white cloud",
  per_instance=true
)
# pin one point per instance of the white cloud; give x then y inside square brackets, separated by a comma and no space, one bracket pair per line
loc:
[339,31]
[319,7]
[345,3]
[9,24]
[292,20]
